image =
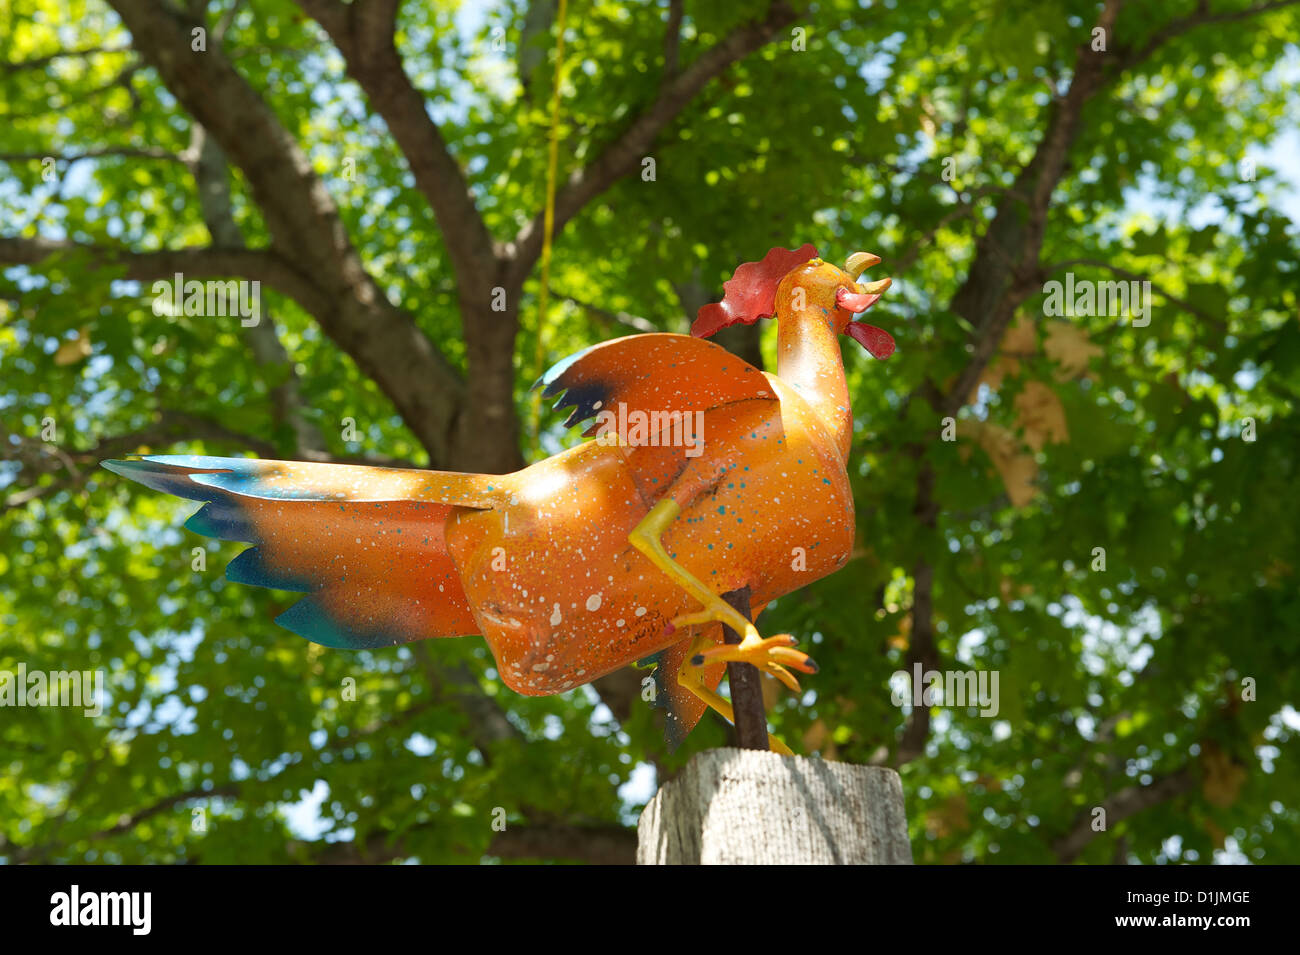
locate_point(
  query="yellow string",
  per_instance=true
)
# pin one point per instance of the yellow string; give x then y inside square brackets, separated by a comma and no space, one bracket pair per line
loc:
[548,227]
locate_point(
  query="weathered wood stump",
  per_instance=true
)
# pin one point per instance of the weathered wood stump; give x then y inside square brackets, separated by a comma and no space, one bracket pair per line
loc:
[742,807]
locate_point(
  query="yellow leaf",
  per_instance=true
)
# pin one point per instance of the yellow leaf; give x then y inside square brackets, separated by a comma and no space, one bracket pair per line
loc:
[1019,341]
[772,691]
[1016,468]
[993,373]
[1041,416]
[900,640]
[1222,778]
[952,816]
[1217,836]
[1067,344]
[1021,338]
[1277,570]
[74,350]
[816,735]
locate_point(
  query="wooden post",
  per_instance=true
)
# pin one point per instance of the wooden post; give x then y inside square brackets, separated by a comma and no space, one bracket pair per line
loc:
[743,807]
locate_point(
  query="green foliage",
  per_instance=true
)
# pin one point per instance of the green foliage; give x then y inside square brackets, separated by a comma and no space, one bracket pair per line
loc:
[1109,679]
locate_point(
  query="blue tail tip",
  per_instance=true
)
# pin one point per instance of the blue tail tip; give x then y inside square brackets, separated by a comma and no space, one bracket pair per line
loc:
[124,467]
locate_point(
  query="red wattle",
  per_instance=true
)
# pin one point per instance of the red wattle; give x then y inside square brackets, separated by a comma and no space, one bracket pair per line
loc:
[875,340]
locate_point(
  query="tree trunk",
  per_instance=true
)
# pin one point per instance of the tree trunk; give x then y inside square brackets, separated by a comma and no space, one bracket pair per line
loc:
[487,429]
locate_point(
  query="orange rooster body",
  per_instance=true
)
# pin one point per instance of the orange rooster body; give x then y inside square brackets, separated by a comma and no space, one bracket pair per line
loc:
[603,555]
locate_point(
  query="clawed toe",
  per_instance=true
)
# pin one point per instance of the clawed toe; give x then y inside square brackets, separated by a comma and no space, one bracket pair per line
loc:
[772,656]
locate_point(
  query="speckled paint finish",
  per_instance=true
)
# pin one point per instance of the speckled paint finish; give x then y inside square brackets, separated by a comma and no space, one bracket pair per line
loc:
[577,601]
[539,561]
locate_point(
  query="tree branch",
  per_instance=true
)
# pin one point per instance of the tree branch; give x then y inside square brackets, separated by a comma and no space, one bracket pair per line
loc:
[363,33]
[1002,275]
[921,650]
[1005,268]
[262,265]
[488,722]
[1120,806]
[1135,277]
[212,179]
[673,40]
[71,468]
[299,212]
[39,62]
[304,223]
[593,844]
[607,317]
[122,78]
[128,822]
[130,152]
[622,155]
[1203,16]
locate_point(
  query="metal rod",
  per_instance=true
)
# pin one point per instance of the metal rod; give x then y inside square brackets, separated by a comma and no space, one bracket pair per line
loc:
[746,684]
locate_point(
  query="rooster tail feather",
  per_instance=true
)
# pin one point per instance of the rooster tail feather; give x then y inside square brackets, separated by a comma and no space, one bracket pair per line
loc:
[682,708]
[365,546]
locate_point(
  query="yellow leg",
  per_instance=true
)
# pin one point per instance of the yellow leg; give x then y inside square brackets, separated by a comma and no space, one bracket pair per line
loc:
[771,656]
[691,676]
[646,537]
[767,655]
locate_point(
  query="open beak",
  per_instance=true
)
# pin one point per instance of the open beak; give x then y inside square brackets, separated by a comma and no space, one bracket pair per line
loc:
[875,340]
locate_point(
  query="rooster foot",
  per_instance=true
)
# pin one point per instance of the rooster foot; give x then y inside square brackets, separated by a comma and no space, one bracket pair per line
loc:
[691,676]
[772,656]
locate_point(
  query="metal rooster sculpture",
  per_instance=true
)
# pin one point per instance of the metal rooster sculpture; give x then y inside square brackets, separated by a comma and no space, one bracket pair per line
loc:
[608,553]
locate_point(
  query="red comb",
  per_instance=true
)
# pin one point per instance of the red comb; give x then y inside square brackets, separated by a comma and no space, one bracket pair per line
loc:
[751,292]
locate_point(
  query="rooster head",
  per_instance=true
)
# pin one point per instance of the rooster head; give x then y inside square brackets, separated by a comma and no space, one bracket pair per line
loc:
[794,280]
